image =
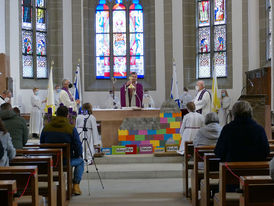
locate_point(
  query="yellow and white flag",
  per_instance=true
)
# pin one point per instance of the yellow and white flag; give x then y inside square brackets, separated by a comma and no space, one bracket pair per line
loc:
[216,105]
[50,97]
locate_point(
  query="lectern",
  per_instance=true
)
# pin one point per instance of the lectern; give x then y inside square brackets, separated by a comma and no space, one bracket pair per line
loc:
[258,84]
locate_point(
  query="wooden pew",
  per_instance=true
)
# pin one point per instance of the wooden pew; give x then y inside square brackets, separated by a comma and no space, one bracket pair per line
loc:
[211,178]
[227,178]
[66,155]
[187,165]
[257,190]
[197,174]
[22,174]
[7,188]
[45,167]
[57,156]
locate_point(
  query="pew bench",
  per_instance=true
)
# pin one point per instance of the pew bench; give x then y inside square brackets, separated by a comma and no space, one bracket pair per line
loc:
[58,177]
[197,173]
[187,165]
[210,183]
[257,190]
[66,157]
[227,178]
[27,181]
[45,168]
[7,188]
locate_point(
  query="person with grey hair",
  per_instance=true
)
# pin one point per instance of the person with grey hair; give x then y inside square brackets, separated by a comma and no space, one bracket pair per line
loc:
[66,97]
[243,139]
[202,100]
[209,134]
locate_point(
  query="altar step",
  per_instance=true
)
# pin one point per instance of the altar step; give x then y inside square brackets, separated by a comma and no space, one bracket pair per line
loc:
[135,167]
[138,158]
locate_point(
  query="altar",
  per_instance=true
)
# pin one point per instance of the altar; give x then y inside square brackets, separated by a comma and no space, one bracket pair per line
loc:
[111,119]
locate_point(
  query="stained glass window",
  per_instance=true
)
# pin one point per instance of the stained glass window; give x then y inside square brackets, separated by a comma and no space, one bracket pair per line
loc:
[27,66]
[269,30]
[204,39]
[41,44]
[27,42]
[219,38]
[219,12]
[34,39]
[204,13]
[102,41]
[119,45]
[211,38]
[136,29]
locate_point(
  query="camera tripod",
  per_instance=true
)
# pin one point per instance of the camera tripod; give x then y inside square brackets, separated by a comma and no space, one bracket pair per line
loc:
[86,145]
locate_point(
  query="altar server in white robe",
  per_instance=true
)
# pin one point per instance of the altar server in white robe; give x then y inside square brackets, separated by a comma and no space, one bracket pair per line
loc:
[36,117]
[5,97]
[87,120]
[192,122]
[202,100]
[148,100]
[224,110]
[111,103]
[66,97]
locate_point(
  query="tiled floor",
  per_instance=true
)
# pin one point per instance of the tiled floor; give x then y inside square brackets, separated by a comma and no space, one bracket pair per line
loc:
[131,192]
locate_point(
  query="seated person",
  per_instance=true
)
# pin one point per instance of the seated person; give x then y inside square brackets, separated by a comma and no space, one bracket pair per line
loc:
[192,122]
[15,125]
[242,139]
[209,134]
[9,151]
[87,120]
[59,130]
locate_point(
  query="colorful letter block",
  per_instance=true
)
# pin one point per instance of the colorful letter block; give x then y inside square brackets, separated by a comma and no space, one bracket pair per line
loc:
[118,150]
[145,149]
[106,151]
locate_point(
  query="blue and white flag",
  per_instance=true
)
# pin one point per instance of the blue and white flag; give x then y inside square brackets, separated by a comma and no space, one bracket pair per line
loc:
[174,86]
[77,85]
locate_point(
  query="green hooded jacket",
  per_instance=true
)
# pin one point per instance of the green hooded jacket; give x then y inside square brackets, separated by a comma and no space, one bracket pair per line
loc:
[16,126]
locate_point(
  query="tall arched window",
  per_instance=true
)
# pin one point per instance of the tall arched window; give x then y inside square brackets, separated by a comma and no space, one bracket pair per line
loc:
[269,30]
[119,39]
[211,38]
[34,39]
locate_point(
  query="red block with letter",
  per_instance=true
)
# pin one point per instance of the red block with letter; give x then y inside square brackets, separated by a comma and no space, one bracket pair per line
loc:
[131,149]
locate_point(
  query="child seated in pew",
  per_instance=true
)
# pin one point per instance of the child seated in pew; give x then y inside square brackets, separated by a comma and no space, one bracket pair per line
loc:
[242,139]
[9,151]
[59,130]
[209,134]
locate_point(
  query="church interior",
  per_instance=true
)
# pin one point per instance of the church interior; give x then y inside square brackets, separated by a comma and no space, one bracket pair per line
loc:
[129,102]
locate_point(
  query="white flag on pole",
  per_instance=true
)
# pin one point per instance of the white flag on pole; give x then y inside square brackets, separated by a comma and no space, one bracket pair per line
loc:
[77,85]
[174,85]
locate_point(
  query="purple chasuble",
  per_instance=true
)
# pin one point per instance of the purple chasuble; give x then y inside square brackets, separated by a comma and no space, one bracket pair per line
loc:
[70,96]
[200,98]
[139,93]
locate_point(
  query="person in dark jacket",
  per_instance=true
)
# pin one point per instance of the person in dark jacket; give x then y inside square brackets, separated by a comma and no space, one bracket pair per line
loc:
[15,125]
[59,130]
[242,139]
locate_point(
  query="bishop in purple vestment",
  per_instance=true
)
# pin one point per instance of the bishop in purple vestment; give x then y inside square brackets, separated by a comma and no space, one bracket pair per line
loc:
[132,96]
